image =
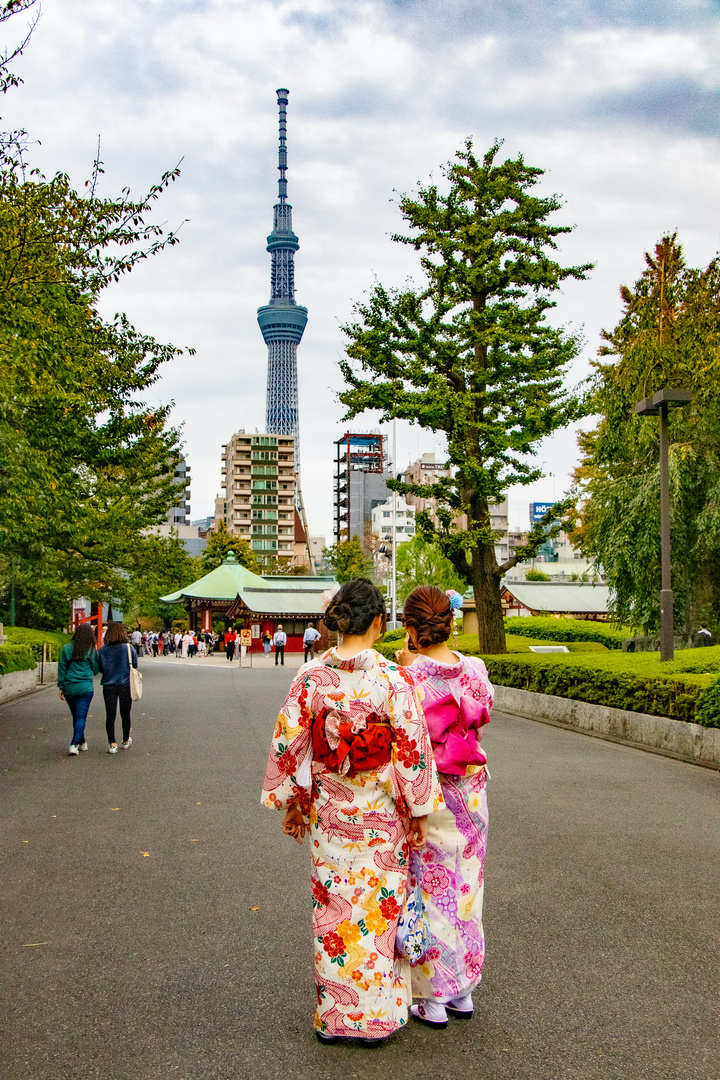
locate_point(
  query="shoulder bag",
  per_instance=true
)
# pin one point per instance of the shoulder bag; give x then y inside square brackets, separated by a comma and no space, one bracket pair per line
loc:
[135,679]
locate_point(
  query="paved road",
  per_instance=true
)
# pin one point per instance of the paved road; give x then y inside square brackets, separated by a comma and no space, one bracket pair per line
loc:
[600,913]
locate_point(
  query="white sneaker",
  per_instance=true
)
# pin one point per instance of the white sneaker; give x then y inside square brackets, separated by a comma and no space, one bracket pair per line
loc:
[73,750]
[83,746]
[127,743]
[112,749]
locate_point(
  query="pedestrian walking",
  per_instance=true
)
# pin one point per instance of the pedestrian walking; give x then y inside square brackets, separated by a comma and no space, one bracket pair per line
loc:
[230,638]
[78,664]
[178,644]
[116,656]
[456,697]
[267,642]
[352,766]
[310,640]
[280,641]
[155,645]
[186,642]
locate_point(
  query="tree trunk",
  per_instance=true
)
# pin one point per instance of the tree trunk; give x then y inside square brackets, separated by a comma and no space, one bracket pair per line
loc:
[485,580]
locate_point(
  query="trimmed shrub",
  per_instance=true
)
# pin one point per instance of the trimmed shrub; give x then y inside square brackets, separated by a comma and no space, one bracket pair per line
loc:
[22,635]
[394,635]
[673,697]
[16,658]
[566,630]
[708,710]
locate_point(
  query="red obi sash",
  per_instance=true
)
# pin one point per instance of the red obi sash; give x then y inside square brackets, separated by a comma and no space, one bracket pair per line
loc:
[351,744]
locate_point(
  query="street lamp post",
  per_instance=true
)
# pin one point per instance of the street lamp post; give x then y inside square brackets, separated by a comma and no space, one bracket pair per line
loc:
[658,405]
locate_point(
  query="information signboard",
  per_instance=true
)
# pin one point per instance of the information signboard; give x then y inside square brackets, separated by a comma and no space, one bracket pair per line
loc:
[538,509]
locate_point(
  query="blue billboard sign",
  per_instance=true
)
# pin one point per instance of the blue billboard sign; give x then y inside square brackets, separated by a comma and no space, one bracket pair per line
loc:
[538,510]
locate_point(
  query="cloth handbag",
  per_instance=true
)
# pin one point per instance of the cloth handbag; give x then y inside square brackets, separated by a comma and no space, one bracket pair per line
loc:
[412,939]
[135,679]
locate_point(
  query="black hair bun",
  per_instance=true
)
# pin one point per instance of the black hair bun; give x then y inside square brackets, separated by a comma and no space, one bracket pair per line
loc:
[338,617]
[354,607]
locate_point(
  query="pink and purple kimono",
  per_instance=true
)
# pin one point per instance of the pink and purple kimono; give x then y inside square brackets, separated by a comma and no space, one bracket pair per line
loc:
[456,700]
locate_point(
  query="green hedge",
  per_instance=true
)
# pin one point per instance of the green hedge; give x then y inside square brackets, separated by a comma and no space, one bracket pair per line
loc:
[708,711]
[16,658]
[686,688]
[566,630]
[677,698]
[22,635]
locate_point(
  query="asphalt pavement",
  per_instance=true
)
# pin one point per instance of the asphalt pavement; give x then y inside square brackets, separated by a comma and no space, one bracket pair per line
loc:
[157,922]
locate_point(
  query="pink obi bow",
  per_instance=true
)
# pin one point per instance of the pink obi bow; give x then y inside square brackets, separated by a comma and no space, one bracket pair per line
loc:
[455,732]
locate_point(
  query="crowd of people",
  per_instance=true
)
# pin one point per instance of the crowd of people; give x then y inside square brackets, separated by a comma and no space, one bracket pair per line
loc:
[380,764]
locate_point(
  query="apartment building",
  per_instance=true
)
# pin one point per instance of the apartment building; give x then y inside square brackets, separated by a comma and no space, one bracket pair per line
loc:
[179,514]
[426,470]
[258,501]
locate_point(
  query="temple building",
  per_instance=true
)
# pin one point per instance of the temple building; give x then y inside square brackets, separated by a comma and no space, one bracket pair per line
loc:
[257,602]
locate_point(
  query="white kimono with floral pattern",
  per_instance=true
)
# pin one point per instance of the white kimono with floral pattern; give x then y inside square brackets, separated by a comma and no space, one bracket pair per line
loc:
[358,832]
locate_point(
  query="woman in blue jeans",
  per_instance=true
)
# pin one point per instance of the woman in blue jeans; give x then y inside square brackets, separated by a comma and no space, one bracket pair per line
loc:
[77,666]
[115,658]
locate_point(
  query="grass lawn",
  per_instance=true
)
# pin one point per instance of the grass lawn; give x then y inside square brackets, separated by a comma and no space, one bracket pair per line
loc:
[698,666]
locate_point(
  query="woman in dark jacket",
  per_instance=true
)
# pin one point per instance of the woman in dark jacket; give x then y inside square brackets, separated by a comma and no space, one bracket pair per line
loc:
[77,666]
[115,657]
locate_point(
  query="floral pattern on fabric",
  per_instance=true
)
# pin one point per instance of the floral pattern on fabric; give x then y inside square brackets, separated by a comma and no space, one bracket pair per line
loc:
[450,868]
[358,835]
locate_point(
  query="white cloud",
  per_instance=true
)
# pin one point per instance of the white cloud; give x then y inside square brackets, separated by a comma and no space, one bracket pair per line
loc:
[616,101]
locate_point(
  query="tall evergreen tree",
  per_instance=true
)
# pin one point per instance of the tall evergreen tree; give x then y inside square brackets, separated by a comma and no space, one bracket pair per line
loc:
[668,336]
[471,354]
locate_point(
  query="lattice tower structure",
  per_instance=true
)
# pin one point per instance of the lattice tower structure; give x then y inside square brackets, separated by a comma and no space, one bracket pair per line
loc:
[361,472]
[282,321]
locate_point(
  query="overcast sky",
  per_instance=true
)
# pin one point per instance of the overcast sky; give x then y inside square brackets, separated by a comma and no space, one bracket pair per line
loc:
[616,99]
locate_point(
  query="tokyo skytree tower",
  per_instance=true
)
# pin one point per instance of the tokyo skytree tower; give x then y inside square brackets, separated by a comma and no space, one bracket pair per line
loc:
[282,321]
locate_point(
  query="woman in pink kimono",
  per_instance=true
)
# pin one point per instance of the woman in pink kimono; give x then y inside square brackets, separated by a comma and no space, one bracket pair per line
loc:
[351,765]
[456,697]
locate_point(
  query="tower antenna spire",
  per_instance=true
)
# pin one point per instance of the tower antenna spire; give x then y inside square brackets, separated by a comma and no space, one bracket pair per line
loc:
[282,320]
[282,96]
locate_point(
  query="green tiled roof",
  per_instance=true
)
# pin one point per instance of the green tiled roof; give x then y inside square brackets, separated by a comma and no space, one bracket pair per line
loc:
[278,593]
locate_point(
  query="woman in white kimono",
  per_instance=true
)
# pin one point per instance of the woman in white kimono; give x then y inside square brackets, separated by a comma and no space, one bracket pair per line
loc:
[352,766]
[456,697]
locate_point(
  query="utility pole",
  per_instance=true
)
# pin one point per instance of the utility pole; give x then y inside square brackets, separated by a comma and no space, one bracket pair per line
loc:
[394,526]
[658,405]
